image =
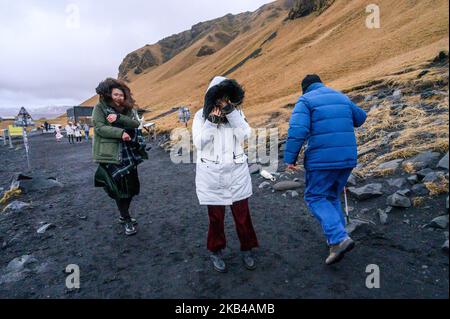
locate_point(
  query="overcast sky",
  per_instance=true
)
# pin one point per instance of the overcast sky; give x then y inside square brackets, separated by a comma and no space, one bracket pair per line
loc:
[54,52]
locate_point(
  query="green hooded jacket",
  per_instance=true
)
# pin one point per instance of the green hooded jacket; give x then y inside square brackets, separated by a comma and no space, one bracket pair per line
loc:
[106,147]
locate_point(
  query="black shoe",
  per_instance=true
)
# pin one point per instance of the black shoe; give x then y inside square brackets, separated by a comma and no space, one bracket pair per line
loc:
[123,221]
[218,262]
[249,261]
[130,229]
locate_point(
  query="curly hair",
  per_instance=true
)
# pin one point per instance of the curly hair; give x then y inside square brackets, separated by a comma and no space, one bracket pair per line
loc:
[104,90]
[229,88]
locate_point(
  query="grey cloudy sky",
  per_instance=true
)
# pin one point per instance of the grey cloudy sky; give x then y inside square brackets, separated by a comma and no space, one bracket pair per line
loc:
[56,52]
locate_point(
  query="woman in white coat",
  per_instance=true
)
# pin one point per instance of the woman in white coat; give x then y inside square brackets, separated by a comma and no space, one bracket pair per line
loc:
[78,134]
[222,175]
[58,134]
[70,131]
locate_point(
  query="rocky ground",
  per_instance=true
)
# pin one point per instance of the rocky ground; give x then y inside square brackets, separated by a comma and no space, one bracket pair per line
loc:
[71,222]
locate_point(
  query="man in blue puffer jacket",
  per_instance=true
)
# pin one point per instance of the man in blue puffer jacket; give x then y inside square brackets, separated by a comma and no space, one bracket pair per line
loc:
[325,119]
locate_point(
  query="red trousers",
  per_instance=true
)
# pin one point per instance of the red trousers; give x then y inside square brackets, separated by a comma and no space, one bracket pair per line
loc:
[242,220]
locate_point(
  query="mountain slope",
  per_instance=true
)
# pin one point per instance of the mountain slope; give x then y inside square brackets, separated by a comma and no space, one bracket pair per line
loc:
[271,54]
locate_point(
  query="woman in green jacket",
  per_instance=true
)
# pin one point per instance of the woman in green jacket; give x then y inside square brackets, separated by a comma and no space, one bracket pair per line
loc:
[118,147]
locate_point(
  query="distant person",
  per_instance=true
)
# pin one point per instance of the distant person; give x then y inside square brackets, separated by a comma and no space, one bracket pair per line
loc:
[184,115]
[119,147]
[78,135]
[70,132]
[58,134]
[86,129]
[222,174]
[46,126]
[324,120]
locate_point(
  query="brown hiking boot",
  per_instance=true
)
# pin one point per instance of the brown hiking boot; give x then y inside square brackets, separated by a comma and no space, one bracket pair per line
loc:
[338,251]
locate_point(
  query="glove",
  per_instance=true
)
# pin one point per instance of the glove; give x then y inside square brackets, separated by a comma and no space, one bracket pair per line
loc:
[227,109]
[214,119]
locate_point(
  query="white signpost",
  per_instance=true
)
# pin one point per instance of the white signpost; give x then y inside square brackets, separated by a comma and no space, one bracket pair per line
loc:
[27,148]
[4,134]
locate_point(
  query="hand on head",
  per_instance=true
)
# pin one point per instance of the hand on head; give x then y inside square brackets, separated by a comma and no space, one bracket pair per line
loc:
[216,111]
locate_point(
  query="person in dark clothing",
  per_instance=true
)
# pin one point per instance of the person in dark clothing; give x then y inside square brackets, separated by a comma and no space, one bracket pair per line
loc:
[118,147]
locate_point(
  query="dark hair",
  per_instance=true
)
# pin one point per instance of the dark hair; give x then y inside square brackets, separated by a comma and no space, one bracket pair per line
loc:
[104,89]
[308,80]
[228,88]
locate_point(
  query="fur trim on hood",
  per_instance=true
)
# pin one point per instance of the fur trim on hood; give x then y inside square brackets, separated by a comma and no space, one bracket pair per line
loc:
[222,87]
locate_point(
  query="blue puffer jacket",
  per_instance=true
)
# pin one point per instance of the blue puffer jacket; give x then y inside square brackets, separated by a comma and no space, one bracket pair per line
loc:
[325,119]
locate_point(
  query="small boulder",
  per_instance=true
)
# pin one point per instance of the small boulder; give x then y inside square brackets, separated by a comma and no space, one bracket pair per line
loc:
[352,180]
[397,95]
[397,182]
[264,185]
[420,190]
[18,268]
[367,191]
[424,172]
[293,194]
[439,222]
[286,185]
[443,163]
[413,179]
[391,165]
[38,184]
[398,200]
[423,160]
[433,177]
[19,263]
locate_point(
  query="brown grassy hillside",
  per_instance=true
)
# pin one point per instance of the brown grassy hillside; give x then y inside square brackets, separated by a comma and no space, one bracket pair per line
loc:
[335,44]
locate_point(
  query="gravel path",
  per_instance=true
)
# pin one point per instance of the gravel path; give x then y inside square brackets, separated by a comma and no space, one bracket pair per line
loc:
[168,258]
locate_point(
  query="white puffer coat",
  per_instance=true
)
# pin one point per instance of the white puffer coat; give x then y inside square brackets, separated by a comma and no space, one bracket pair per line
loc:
[222,175]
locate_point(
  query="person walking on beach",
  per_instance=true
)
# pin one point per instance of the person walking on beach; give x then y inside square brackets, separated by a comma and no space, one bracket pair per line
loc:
[58,134]
[70,132]
[325,119]
[118,147]
[86,129]
[222,175]
[78,132]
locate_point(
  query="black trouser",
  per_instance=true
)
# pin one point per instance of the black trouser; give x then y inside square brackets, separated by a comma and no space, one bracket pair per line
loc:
[124,205]
[70,139]
[79,139]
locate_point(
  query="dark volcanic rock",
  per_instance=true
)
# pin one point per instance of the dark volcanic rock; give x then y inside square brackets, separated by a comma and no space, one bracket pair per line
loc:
[423,160]
[443,163]
[420,190]
[366,192]
[302,8]
[286,185]
[205,50]
[398,200]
